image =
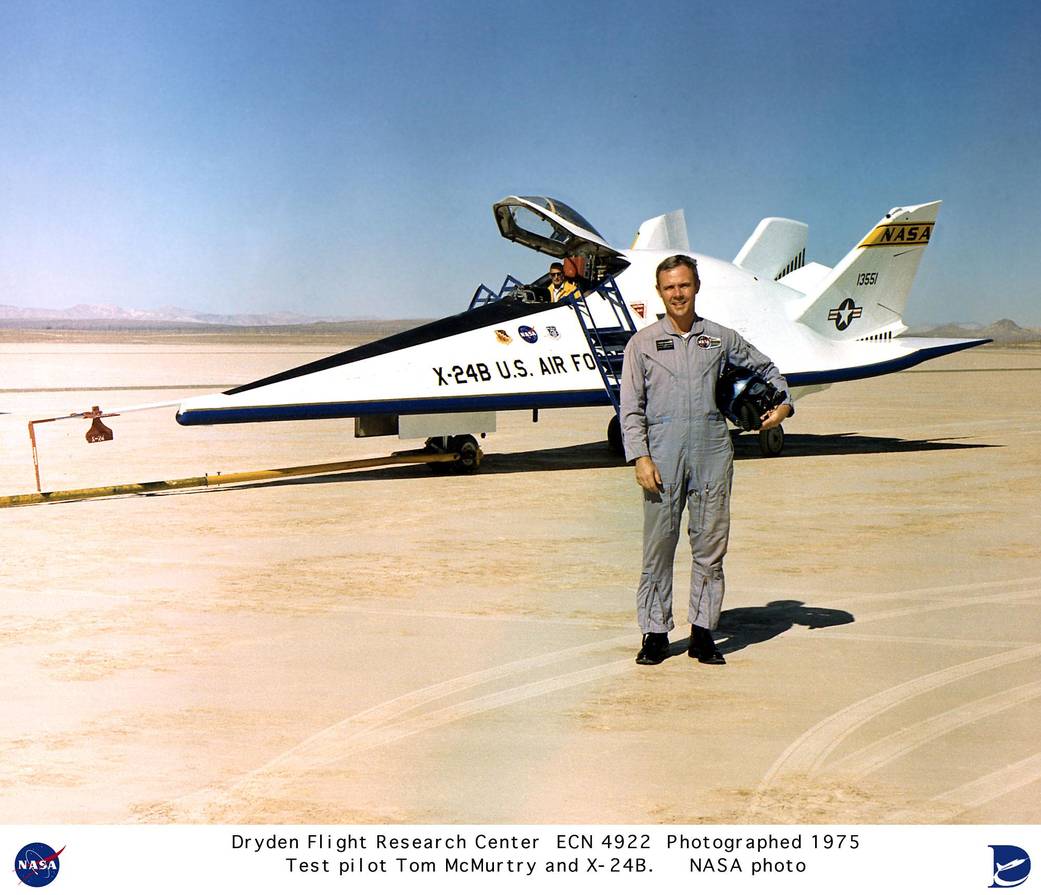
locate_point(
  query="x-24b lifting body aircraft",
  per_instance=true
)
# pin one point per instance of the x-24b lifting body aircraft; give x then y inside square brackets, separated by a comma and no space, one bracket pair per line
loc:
[515,349]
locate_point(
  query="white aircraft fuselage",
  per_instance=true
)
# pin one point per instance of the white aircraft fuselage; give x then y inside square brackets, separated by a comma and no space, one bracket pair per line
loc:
[517,350]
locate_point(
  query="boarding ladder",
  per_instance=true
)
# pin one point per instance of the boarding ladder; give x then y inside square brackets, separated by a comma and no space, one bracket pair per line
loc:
[607,342]
[483,295]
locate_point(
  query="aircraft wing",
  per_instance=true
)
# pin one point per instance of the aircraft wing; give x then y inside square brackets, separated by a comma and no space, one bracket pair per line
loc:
[845,361]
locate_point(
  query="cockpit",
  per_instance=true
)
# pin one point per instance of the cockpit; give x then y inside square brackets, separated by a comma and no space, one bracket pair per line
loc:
[560,210]
[554,228]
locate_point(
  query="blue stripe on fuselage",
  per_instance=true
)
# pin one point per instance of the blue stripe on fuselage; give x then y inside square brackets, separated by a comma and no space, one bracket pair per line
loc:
[339,410]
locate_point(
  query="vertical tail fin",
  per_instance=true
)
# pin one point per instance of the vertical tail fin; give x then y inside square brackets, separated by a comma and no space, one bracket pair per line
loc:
[866,293]
[665,233]
[775,248]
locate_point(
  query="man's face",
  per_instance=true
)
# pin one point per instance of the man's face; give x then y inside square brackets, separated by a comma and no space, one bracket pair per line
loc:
[677,288]
[556,277]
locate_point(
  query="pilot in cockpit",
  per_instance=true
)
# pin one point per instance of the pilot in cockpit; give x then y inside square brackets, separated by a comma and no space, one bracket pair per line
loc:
[560,286]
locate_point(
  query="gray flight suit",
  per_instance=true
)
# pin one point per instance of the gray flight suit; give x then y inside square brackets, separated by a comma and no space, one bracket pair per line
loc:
[669,413]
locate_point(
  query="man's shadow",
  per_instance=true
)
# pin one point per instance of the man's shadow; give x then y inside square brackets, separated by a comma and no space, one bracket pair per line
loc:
[747,625]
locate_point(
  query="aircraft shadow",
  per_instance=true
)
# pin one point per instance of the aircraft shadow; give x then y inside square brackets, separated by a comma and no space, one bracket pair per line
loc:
[596,455]
[749,625]
[593,455]
[746,447]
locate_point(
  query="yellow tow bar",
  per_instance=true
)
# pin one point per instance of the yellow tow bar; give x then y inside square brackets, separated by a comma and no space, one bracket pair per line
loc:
[471,462]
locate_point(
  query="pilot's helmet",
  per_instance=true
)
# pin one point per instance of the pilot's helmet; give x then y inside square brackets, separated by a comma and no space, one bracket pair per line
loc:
[744,396]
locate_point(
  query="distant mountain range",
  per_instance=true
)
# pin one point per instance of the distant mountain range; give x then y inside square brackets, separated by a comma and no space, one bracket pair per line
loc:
[1003,331]
[164,315]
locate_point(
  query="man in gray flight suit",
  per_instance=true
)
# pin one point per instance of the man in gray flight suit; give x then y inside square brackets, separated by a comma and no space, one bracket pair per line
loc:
[678,437]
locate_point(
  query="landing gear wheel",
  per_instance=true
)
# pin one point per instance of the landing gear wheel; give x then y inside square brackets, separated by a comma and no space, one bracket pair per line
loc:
[614,436]
[469,453]
[463,445]
[437,445]
[771,441]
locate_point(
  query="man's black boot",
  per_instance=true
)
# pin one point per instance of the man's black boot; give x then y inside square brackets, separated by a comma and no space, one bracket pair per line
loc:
[655,649]
[703,647]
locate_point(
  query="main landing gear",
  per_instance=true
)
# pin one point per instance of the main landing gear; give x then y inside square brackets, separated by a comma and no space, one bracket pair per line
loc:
[771,441]
[464,445]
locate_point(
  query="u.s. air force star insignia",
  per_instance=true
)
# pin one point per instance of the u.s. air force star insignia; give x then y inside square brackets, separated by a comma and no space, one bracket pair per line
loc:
[704,341]
[845,314]
[503,336]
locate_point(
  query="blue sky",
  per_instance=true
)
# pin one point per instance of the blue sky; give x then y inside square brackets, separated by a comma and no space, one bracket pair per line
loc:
[342,158]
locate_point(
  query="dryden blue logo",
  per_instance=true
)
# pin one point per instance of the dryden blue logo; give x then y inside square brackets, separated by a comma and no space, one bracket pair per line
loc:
[37,864]
[1011,866]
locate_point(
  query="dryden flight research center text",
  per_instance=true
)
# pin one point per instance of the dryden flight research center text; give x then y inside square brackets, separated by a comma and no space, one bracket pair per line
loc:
[547,855]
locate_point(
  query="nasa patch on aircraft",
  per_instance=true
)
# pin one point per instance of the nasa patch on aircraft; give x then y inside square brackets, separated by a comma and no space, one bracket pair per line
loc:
[552,332]
[704,341]
[503,336]
[528,334]
[639,307]
[664,345]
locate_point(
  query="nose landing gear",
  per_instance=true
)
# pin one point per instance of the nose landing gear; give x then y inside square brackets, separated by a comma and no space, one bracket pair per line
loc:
[465,446]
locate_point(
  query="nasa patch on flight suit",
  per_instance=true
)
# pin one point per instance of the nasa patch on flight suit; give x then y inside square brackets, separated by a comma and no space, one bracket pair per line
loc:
[704,341]
[664,345]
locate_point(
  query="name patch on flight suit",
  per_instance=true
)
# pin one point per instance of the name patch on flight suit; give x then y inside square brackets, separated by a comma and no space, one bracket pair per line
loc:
[704,341]
[664,345]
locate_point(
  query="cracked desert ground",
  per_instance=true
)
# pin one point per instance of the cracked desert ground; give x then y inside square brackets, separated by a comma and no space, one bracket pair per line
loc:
[397,646]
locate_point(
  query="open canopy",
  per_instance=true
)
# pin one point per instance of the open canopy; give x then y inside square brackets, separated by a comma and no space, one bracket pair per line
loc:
[549,226]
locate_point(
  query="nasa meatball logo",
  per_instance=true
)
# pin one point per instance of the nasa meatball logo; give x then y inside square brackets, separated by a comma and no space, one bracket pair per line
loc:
[504,337]
[37,865]
[704,341]
[528,334]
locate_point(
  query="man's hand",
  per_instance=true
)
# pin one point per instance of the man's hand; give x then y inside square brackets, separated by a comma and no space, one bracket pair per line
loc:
[647,475]
[776,416]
